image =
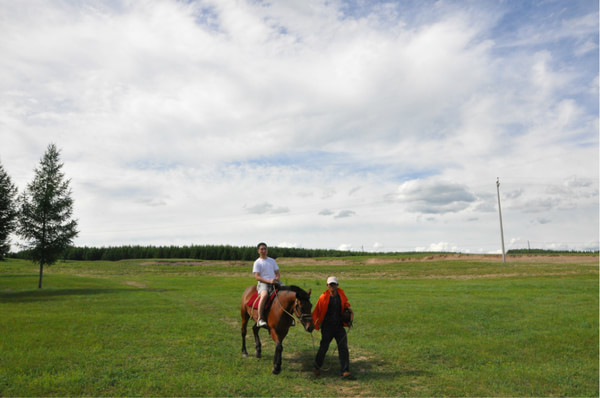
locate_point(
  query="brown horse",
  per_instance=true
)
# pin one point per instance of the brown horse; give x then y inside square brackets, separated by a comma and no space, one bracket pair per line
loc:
[289,301]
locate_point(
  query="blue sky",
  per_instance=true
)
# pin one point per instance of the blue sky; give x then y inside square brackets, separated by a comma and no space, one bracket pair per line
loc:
[380,126]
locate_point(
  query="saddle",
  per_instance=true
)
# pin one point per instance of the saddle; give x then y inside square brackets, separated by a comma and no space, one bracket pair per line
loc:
[254,299]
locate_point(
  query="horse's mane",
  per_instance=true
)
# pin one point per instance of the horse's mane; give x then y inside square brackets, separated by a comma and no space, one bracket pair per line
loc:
[300,293]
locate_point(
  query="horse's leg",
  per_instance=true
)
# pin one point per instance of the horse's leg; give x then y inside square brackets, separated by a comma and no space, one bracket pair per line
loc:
[278,350]
[277,358]
[245,318]
[255,329]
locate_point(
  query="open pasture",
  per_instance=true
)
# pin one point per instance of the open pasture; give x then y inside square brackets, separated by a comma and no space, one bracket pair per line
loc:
[452,325]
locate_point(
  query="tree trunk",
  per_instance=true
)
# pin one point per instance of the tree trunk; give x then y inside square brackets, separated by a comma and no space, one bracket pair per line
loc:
[41,273]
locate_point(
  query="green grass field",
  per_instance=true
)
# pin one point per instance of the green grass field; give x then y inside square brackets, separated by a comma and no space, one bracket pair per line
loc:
[433,326]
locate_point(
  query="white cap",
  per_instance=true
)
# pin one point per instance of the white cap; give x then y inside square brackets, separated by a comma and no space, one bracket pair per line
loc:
[332,279]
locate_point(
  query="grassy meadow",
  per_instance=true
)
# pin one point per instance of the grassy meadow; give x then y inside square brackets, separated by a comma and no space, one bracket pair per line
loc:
[452,325]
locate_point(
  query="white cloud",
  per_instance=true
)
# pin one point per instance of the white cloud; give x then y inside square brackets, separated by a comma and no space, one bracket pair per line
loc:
[434,197]
[345,247]
[438,247]
[217,122]
[288,244]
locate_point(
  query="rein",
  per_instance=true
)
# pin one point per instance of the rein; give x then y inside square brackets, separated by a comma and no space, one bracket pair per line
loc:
[312,336]
[332,353]
[302,317]
[334,350]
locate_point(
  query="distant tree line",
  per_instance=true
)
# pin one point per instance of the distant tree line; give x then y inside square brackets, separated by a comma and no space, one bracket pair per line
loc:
[232,253]
[200,252]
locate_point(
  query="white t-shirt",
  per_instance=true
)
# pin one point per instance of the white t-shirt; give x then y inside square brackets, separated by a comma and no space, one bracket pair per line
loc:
[266,268]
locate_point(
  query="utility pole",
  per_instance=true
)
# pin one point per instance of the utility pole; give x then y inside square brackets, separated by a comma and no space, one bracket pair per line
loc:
[500,213]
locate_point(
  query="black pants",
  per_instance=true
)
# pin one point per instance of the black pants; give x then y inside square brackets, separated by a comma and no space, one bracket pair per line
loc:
[328,334]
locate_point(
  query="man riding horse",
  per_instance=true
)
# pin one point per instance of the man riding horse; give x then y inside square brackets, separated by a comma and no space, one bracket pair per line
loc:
[266,272]
[289,302]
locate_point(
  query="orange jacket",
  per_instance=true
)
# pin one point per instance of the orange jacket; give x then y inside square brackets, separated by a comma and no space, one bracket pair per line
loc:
[321,308]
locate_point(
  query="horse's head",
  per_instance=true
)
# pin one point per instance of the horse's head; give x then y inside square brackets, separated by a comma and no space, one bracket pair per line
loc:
[303,309]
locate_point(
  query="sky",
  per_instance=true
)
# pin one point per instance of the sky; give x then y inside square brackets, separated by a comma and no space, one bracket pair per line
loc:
[354,125]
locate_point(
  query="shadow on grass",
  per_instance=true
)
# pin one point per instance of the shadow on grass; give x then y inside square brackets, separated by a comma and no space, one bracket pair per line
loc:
[19,276]
[362,368]
[42,294]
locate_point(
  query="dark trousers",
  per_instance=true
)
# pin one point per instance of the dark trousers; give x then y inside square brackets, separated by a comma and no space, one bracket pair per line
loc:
[328,334]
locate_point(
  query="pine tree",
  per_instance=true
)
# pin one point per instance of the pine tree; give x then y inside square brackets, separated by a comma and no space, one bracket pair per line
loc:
[45,212]
[8,211]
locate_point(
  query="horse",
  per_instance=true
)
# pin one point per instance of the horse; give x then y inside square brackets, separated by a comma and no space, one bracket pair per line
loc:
[288,300]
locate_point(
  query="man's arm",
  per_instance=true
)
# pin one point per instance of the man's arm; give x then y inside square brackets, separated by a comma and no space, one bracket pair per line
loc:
[261,279]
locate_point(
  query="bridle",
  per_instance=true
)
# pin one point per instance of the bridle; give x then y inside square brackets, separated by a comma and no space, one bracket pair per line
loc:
[297,309]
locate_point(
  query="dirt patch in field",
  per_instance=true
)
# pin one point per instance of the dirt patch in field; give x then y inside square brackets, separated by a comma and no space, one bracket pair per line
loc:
[136,284]
[559,259]
[521,266]
[312,261]
[378,260]
[544,259]
[508,275]
[231,322]
[198,263]
[350,389]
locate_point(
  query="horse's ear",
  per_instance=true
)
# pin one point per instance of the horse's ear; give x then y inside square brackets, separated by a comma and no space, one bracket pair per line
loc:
[309,290]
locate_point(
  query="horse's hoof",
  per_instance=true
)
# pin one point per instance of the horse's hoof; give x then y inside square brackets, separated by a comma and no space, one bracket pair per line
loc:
[276,371]
[245,354]
[258,355]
